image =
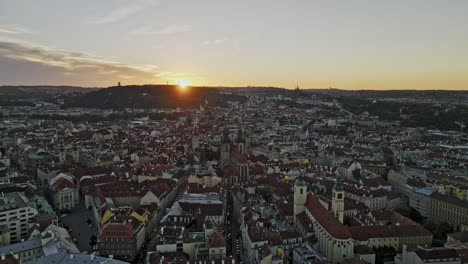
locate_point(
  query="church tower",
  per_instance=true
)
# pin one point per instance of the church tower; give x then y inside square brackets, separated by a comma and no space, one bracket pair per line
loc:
[195,139]
[240,141]
[300,196]
[225,148]
[338,201]
[248,141]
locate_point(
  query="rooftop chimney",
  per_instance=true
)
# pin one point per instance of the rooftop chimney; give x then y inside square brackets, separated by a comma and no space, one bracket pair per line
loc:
[71,256]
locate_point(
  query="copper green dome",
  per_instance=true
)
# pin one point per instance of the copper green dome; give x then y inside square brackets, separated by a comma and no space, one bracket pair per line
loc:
[300,182]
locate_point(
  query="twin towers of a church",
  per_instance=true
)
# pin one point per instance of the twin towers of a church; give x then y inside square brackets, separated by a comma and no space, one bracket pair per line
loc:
[300,199]
[242,144]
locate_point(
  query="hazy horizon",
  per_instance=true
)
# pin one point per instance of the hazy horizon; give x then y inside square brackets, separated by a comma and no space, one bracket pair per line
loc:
[359,45]
[229,87]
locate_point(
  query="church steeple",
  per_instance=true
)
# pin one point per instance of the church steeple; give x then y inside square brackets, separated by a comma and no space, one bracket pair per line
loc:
[225,148]
[240,135]
[226,135]
[195,138]
[240,140]
[297,91]
[300,196]
[338,200]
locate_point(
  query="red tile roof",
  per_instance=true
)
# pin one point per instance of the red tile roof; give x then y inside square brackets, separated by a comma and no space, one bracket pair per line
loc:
[305,222]
[436,254]
[80,172]
[9,259]
[239,157]
[121,229]
[326,219]
[217,240]
[363,233]
[285,209]
[229,172]
[61,184]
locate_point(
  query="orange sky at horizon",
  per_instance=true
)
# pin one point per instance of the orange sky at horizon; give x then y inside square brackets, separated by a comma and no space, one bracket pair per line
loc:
[349,45]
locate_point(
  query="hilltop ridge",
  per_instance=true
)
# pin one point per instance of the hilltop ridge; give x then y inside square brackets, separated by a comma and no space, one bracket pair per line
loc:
[150,96]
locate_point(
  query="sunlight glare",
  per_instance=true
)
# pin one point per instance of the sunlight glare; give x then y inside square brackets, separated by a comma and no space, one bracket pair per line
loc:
[183,84]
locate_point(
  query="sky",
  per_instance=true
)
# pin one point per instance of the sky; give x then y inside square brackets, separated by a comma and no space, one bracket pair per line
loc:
[359,44]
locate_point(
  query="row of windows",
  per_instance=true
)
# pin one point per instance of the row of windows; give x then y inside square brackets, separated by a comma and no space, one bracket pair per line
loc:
[114,239]
[450,215]
[115,245]
[13,212]
[116,252]
[22,217]
[27,254]
[66,198]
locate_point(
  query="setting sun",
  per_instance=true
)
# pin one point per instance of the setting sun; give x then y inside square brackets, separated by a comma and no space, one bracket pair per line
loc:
[182,83]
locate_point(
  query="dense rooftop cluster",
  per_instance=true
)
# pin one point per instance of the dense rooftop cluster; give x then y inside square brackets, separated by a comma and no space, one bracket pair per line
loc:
[272,179]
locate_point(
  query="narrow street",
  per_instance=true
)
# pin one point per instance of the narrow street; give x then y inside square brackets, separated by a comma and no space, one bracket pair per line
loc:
[233,236]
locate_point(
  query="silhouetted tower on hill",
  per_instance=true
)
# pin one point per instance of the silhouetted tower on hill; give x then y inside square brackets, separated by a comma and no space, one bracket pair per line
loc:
[297,91]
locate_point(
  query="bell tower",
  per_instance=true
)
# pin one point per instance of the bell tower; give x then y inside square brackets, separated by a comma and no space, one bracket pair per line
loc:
[300,196]
[240,141]
[338,201]
[195,138]
[225,148]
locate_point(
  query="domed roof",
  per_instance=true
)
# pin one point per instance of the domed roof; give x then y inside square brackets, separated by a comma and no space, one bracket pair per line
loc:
[300,182]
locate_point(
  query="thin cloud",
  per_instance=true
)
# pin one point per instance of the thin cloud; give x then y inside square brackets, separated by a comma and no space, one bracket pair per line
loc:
[14,29]
[122,12]
[167,30]
[115,15]
[77,65]
[168,74]
[215,42]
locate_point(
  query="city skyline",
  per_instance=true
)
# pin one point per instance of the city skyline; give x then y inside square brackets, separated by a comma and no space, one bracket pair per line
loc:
[358,45]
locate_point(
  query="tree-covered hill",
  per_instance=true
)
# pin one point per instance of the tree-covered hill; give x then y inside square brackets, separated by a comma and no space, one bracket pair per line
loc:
[151,96]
